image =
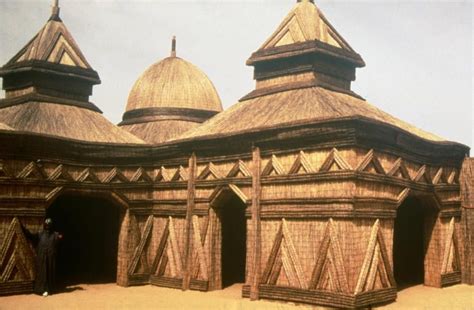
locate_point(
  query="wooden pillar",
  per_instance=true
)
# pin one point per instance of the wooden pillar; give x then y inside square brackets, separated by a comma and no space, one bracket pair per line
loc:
[256,240]
[188,257]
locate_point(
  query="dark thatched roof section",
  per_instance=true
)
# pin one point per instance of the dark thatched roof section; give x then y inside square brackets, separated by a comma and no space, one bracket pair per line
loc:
[64,121]
[293,107]
[159,131]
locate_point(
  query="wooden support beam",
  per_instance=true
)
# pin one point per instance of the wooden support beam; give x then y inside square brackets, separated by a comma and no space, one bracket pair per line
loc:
[256,229]
[188,257]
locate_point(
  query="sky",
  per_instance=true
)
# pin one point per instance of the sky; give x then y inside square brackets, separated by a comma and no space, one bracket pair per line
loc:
[419,54]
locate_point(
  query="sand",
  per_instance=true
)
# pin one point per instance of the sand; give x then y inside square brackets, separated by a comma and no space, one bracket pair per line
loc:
[111,296]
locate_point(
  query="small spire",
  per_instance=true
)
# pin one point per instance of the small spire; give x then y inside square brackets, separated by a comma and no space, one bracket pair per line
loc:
[55,11]
[173,47]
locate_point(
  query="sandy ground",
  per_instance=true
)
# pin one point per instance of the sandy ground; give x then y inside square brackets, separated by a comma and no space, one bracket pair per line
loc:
[110,296]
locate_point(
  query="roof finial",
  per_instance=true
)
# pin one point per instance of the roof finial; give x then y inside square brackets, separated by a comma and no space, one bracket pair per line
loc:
[55,10]
[173,47]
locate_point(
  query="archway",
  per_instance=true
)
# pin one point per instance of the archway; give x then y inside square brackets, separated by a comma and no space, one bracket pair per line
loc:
[230,233]
[412,230]
[90,227]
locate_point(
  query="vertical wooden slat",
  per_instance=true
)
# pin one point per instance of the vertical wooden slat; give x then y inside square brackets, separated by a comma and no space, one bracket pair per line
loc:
[256,230]
[189,214]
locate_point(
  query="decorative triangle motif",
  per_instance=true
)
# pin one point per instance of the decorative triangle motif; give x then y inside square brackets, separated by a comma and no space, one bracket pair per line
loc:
[370,163]
[376,265]
[140,176]
[273,167]
[334,161]
[439,177]
[140,253]
[31,171]
[422,175]
[301,165]
[16,257]
[209,172]
[452,177]
[239,170]
[399,170]
[304,23]
[115,176]
[283,256]
[180,174]
[162,175]
[59,174]
[329,272]
[168,254]
[451,259]
[87,176]
[3,170]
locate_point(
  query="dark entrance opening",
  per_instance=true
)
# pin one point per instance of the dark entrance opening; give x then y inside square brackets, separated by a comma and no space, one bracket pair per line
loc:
[234,237]
[88,251]
[411,225]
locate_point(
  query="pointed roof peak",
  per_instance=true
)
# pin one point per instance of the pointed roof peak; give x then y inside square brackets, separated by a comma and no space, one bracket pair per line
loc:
[55,11]
[305,22]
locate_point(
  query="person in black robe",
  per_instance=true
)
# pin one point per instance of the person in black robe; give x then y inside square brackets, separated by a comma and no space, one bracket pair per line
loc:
[46,249]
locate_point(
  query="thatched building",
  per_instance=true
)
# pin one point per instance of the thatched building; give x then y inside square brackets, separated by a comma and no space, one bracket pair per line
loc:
[318,196]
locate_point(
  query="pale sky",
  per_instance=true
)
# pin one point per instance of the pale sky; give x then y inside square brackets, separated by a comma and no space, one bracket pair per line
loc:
[419,54]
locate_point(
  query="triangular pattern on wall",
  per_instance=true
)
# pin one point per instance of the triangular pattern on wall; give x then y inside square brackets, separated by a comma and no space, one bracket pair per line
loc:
[239,170]
[168,255]
[329,273]
[439,177]
[399,170]
[376,271]
[179,175]
[209,173]
[334,162]
[59,174]
[141,176]
[162,175]
[3,170]
[370,163]
[422,175]
[139,254]
[31,171]
[200,263]
[451,259]
[16,257]
[87,176]
[115,176]
[283,257]
[452,176]
[301,165]
[273,167]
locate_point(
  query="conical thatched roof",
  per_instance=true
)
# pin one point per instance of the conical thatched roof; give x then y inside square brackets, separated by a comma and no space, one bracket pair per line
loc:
[304,73]
[64,121]
[297,106]
[170,97]
[48,84]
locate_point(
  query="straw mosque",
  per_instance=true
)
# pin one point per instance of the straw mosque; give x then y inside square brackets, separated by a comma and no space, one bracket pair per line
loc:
[318,196]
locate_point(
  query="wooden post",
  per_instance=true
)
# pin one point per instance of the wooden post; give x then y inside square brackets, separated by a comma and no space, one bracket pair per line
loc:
[256,244]
[188,257]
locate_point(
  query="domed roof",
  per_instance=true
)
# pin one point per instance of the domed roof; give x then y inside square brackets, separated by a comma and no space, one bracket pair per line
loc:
[174,82]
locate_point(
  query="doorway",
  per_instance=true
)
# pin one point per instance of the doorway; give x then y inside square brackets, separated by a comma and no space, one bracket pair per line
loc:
[88,250]
[412,227]
[231,221]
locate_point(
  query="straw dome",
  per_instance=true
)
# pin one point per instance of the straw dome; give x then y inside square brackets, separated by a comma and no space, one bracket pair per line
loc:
[174,82]
[171,97]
